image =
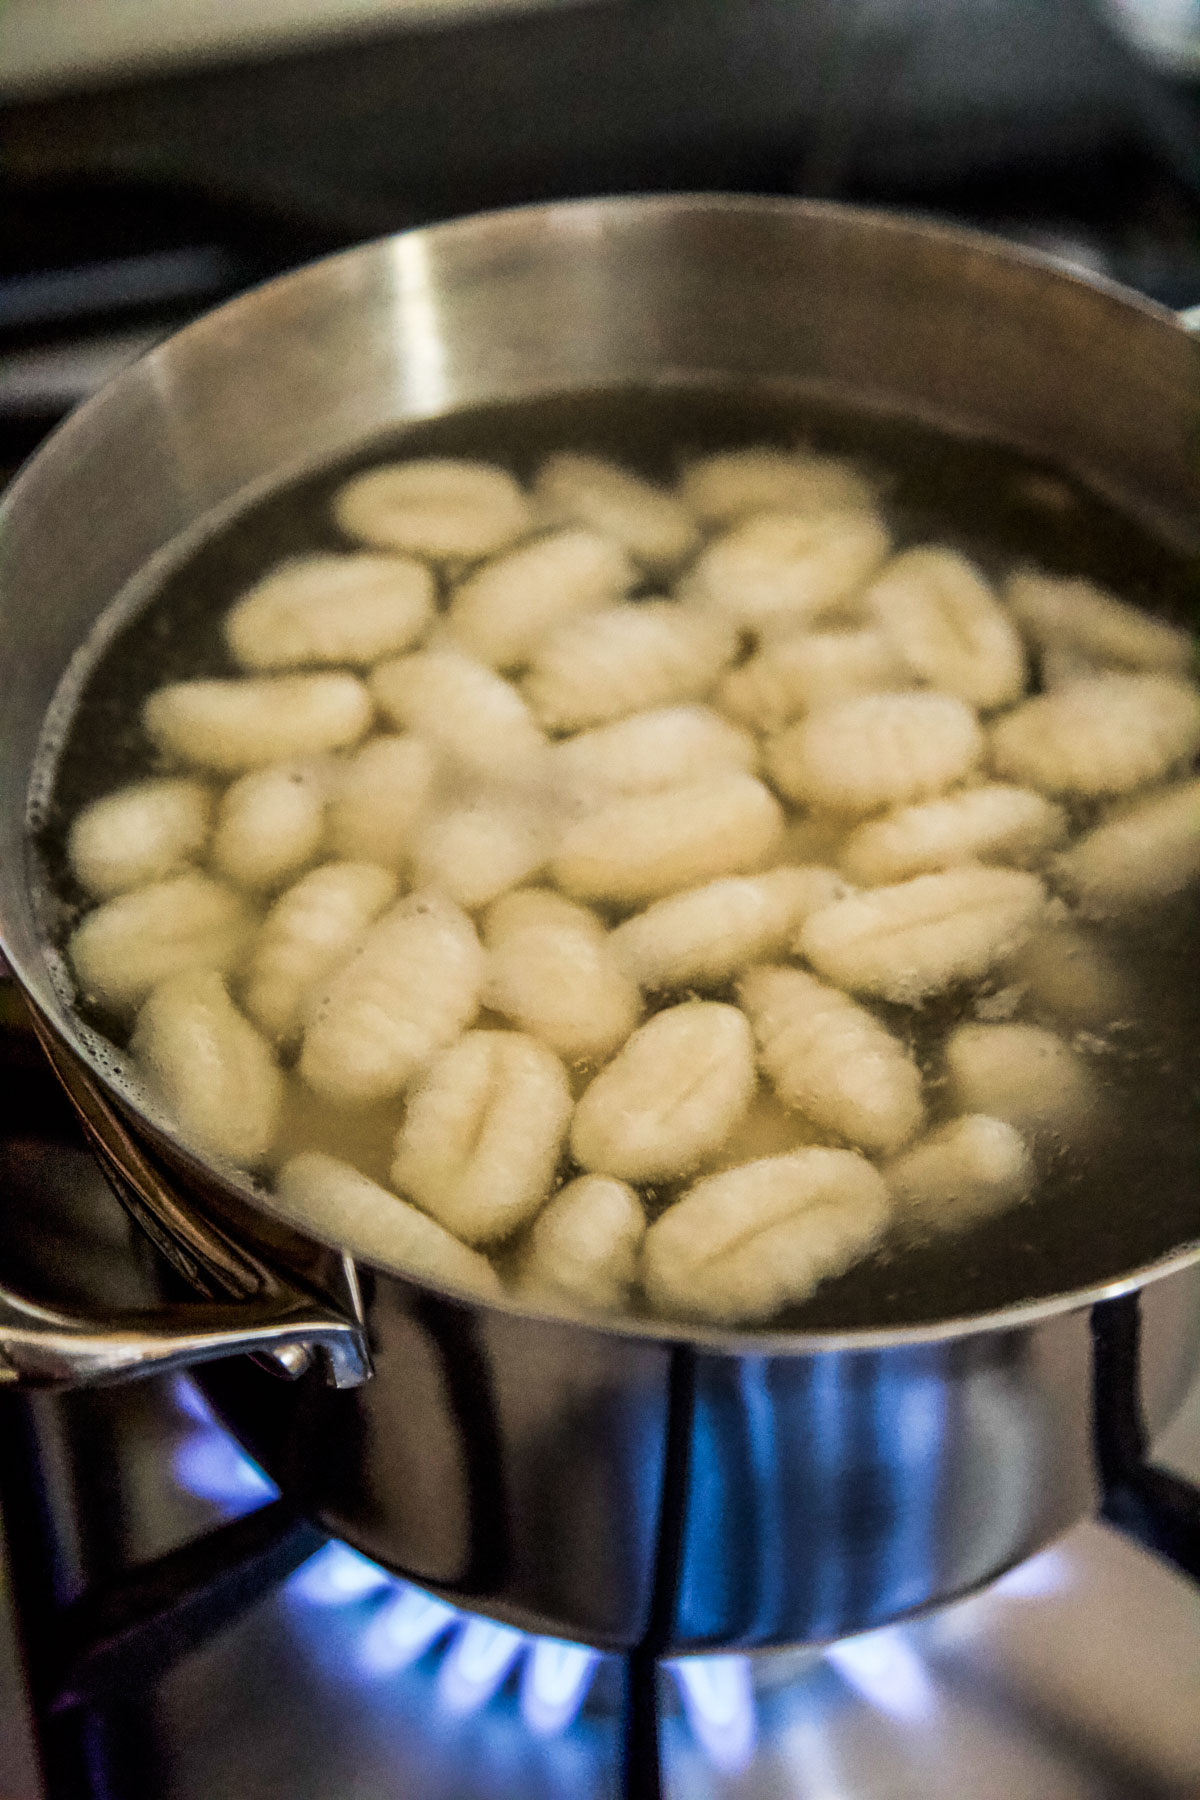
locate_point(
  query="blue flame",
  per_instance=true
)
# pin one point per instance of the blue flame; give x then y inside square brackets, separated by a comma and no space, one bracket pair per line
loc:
[718,1700]
[337,1575]
[476,1663]
[210,1465]
[885,1669]
[554,1684]
[400,1623]
[407,1625]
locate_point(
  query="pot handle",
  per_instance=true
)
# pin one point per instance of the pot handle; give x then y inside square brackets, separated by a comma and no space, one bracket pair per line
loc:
[41,1347]
[249,1310]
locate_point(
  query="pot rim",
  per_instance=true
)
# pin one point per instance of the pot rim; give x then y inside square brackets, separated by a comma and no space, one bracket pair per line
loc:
[589,215]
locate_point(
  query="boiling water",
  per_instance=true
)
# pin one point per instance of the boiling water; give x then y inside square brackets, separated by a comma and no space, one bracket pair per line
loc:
[1094,1214]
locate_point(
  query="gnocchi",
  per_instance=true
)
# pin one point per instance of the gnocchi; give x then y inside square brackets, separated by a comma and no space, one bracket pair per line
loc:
[988,823]
[321,1192]
[449,509]
[651,524]
[601,828]
[625,659]
[703,936]
[646,845]
[136,940]
[1079,619]
[832,1060]
[794,675]
[946,626]
[667,1100]
[922,936]
[876,750]
[502,611]
[1024,1074]
[1065,970]
[583,1247]
[408,989]
[232,726]
[212,1069]
[331,609]
[482,1134]
[732,483]
[742,1244]
[377,795]
[1099,735]
[649,750]
[271,823]
[779,570]
[480,847]
[139,835]
[310,929]
[962,1172]
[462,708]
[553,970]
[1146,852]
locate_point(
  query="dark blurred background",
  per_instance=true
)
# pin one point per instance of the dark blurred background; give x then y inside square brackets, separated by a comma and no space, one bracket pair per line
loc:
[157,157]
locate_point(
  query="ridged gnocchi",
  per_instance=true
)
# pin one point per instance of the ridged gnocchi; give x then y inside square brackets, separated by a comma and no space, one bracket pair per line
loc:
[1024,1074]
[625,659]
[583,1247]
[1066,970]
[653,525]
[1078,618]
[945,625]
[501,612]
[703,936]
[833,1060]
[409,987]
[648,750]
[962,1172]
[794,675]
[271,823]
[211,1068]
[231,726]
[989,823]
[335,1199]
[647,845]
[860,755]
[742,1244]
[730,484]
[331,609]
[310,929]
[482,1134]
[778,570]
[449,509]
[667,1099]
[480,847]
[1100,735]
[554,971]
[377,795]
[923,936]
[139,835]
[543,873]
[135,940]
[1146,852]
[461,707]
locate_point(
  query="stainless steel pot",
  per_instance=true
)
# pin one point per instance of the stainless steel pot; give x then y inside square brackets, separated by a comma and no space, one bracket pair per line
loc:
[621,1484]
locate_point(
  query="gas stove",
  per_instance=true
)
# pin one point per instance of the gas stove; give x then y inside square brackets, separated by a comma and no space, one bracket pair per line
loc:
[168,1629]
